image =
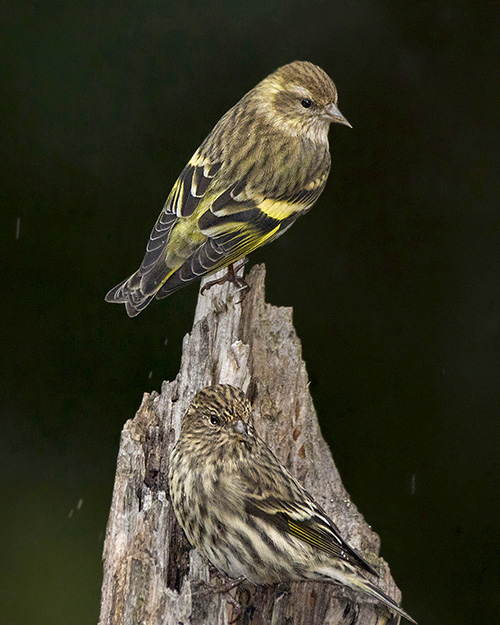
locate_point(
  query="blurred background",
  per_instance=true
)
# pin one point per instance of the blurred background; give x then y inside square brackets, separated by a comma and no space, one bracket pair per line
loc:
[393,277]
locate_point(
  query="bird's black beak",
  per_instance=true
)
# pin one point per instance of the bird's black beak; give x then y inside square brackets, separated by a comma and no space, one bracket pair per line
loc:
[334,115]
[241,430]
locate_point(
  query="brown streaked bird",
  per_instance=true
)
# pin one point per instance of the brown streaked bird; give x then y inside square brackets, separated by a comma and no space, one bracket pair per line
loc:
[264,164]
[245,512]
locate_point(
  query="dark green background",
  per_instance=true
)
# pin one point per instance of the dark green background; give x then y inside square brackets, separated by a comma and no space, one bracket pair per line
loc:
[394,276]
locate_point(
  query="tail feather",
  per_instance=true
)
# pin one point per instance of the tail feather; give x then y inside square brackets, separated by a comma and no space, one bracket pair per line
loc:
[129,293]
[351,578]
[375,591]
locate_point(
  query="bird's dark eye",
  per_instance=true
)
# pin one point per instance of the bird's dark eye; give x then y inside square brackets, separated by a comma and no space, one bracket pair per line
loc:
[306,103]
[214,419]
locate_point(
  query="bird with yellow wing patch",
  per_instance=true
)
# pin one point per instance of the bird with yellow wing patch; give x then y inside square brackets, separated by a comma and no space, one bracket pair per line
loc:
[264,164]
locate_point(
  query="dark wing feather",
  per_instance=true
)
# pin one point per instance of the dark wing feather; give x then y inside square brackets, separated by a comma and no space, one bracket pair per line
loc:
[184,198]
[235,222]
[238,221]
[308,523]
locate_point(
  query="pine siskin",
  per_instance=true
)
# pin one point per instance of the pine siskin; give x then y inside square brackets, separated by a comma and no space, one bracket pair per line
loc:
[245,512]
[263,165]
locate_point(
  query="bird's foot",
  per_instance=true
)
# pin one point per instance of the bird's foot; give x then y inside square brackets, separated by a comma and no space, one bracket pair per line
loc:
[206,588]
[231,276]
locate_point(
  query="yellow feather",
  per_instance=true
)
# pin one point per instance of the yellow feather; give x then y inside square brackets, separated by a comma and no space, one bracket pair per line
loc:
[279,209]
[197,160]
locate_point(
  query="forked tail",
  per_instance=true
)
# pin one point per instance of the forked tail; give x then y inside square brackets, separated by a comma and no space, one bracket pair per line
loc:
[129,293]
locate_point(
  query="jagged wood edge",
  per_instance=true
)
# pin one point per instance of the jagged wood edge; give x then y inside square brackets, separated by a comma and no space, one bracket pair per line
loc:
[150,573]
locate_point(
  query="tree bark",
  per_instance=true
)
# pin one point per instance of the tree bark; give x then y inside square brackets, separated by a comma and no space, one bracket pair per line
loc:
[151,576]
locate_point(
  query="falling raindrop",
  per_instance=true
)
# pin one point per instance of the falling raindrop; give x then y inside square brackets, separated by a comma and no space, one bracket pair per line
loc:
[79,504]
[150,375]
[18,228]
[413,483]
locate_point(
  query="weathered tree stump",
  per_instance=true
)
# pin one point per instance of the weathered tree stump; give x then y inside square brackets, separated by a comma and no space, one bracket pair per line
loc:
[151,576]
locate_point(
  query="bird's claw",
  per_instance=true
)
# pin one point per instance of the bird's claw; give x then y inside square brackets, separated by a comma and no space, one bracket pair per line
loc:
[231,276]
[206,588]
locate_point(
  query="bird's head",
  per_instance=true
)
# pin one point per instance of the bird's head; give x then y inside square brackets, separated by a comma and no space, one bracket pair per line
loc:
[219,416]
[301,99]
